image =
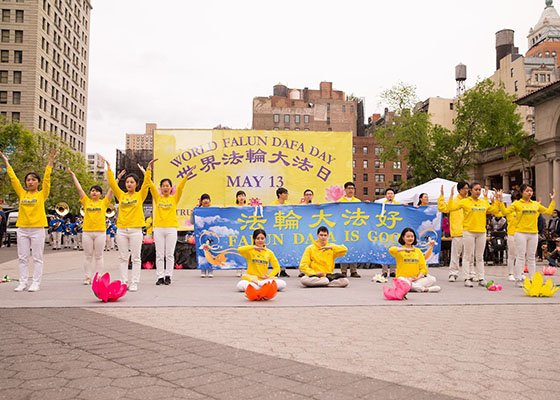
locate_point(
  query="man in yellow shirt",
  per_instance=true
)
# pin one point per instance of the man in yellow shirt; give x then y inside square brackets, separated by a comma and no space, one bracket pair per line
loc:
[317,262]
[349,189]
[456,228]
[389,270]
[282,197]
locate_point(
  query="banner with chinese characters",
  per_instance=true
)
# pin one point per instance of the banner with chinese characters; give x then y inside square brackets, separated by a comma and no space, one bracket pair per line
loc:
[222,162]
[367,229]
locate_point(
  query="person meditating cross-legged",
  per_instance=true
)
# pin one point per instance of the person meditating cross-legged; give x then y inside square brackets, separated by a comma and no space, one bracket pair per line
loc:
[317,262]
[258,259]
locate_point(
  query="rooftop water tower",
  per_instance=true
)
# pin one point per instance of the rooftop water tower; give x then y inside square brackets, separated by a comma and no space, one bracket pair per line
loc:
[460,78]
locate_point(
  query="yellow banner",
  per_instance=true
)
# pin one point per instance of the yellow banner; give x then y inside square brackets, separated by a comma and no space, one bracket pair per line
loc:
[222,162]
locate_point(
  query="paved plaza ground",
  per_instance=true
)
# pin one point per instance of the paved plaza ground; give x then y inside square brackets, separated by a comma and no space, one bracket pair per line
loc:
[199,338]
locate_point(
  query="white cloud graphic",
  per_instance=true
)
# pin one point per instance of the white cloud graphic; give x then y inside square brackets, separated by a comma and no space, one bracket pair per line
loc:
[201,221]
[223,231]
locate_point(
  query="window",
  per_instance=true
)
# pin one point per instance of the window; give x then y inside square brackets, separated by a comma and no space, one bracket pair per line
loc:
[306,119]
[379,178]
[3,76]
[365,178]
[553,54]
[364,149]
[352,108]
[379,191]
[296,119]
[379,164]
[5,36]
[19,16]
[378,151]
[451,106]
[15,117]
[276,118]
[397,178]
[4,56]
[365,191]
[328,120]
[536,77]
[354,177]
[547,53]
[17,77]
[330,129]
[543,78]
[511,72]
[286,119]
[328,106]
[19,36]
[353,163]
[365,164]
[397,164]
[548,77]
[16,98]
[275,128]
[306,129]
[353,149]
[398,152]
[5,15]
[18,56]
[516,85]
[3,97]
[343,108]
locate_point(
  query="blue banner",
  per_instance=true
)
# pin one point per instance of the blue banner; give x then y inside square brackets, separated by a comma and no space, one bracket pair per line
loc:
[367,229]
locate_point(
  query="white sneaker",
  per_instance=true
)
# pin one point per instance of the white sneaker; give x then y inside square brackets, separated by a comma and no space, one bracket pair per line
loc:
[239,273]
[133,287]
[433,289]
[511,278]
[452,278]
[20,288]
[210,273]
[34,287]
[203,273]
[469,283]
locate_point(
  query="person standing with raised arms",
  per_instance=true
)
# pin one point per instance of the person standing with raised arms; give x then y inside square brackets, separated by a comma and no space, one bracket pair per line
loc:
[31,222]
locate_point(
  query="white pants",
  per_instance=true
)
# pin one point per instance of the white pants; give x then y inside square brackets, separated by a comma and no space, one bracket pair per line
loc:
[422,283]
[56,240]
[315,281]
[129,239]
[474,244]
[456,252]
[512,253]
[526,247]
[79,239]
[93,251]
[242,284]
[30,239]
[165,240]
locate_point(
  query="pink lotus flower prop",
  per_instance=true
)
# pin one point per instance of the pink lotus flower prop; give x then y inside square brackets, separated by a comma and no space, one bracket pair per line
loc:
[399,291]
[106,290]
[148,240]
[178,266]
[191,240]
[495,288]
[334,193]
[255,202]
[548,270]
[148,265]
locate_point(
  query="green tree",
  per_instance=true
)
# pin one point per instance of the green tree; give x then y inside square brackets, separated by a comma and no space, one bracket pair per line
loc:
[486,118]
[31,154]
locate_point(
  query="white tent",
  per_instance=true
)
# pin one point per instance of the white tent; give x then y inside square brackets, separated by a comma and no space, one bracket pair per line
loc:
[433,189]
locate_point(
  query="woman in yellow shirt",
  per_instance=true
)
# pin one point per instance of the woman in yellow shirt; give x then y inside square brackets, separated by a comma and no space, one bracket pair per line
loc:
[93,238]
[526,230]
[129,222]
[258,259]
[241,199]
[31,222]
[411,264]
[474,209]
[165,225]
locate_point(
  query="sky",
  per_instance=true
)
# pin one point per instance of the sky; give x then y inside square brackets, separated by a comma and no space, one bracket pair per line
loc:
[197,64]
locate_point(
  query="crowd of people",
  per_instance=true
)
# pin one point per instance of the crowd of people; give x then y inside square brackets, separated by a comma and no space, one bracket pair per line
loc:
[93,233]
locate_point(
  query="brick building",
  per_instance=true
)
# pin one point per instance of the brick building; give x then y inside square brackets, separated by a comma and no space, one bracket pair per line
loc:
[141,141]
[44,59]
[309,110]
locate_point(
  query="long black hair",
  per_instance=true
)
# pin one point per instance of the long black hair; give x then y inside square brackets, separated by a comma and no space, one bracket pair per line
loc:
[401,237]
[257,232]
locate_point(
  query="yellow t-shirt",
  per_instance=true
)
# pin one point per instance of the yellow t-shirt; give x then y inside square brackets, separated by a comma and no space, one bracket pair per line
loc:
[474,212]
[166,207]
[31,213]
[315,260]
[149,226]
[456,218]
[527,214]
[276,203]
[258,261]
[131,212]
[94,214]
[344,199]
[409,263]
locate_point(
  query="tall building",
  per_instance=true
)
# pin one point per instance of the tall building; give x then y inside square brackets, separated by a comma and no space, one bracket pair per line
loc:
[44,61]
[441,110]
[309,110]
[96,165]
[544,37]
[141,141]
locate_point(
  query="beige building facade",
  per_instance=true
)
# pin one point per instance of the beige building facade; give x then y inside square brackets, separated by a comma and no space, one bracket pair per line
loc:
[141,141]
[96,165]
[441,110]
[44,64]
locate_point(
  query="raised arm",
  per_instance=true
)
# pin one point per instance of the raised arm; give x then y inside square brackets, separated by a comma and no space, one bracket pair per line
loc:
[151,186]
[77,183]
[16,184]
[46,189]
[550,209]
[179,190]
[339,250]
[443,206]
[109,196]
